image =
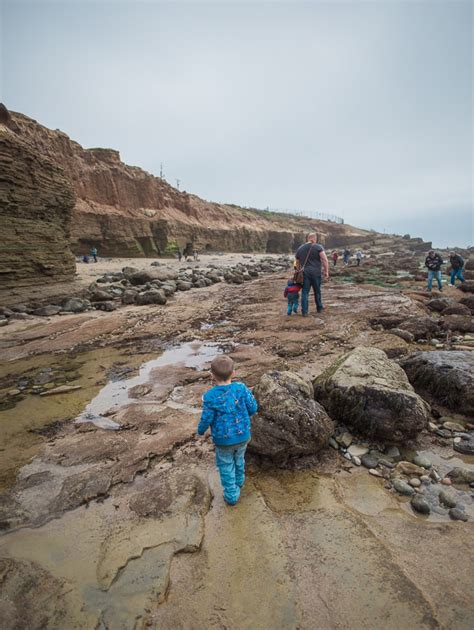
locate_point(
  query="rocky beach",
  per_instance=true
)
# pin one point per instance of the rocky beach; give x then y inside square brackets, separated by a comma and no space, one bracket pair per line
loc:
[359,500]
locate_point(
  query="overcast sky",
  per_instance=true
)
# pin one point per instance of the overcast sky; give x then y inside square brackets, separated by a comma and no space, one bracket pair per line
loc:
[363,109]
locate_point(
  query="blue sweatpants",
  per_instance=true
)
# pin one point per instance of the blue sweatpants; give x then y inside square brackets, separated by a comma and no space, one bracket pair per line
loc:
[293,303]
[230,461]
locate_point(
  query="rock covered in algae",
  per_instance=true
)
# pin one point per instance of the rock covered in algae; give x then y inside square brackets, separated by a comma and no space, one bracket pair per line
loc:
[446,375]
[366,390]
[289,421]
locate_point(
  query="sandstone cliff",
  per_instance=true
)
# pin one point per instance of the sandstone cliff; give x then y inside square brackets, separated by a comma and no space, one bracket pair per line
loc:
[36,202]
[125,211]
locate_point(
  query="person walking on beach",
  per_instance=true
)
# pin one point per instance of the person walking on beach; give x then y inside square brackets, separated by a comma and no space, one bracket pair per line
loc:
[433,263]
[457,264]
[359,256]
[335,256]
[227,409]
[346,256]
[94,253]
[292,293]
[312,260]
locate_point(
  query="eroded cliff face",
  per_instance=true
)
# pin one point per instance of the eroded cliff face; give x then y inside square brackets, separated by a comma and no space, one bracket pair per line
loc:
[36,203]
[125,211]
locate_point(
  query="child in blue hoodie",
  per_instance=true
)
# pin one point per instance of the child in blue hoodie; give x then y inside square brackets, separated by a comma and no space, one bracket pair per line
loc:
[227,408]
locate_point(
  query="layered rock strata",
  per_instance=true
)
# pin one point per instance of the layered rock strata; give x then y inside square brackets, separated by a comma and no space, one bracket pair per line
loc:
[36,202]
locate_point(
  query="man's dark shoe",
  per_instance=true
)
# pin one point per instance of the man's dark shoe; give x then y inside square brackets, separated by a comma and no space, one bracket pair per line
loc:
[304,314]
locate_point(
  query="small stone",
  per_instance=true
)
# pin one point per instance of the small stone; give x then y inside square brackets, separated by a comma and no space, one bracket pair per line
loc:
[347,456]
[357,450]
[392,452]
[453,426]
[13,392]
[333,444]
[432,427]
[386,463]
[414,482]
[402,487]
[457,440]
[345,439]
[375,472]
[457,514]
[421,460]
[420,504]
[368,461]
[424,479]
[446,481]
[434,475]
[447,498]
[407,468]
[356,460]
[434,342]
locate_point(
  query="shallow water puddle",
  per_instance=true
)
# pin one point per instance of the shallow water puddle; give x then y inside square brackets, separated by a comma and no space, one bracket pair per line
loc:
[114,395]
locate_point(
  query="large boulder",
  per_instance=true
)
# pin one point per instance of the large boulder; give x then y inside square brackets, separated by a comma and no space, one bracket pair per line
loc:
[154,296]
[368,391]
[446,375]
[289,421]
[469,302]
[459,323]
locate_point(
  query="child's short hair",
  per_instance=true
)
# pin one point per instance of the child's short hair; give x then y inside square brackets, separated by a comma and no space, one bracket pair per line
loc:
[222,367]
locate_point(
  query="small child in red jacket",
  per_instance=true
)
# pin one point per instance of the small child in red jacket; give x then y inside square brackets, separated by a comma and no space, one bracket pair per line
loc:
[292,292]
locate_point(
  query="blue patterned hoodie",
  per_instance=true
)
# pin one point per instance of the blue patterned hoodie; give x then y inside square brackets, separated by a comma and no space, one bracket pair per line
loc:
[227,410]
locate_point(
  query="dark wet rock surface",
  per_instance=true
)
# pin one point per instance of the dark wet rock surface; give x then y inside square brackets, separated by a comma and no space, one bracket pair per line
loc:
[289,421]
[447,376]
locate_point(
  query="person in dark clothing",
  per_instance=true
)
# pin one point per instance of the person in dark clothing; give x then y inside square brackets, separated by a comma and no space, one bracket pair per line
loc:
[94,253]
[346,256]
[433,263]
[292,293]
[312,259]
[457,264]
[180,255]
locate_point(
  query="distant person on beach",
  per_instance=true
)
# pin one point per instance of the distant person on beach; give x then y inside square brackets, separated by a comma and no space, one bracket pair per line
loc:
[227,408]
[292,293]
[93,253]
[359,256]
[457,264]
[433,263]
[312,260]
[85,258]
[335,256]
[346,256]
[195,254]
[180,255]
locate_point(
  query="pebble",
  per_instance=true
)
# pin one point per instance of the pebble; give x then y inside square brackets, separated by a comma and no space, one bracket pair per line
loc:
[402,487]
[368,461]
[457,440]
[375,472]
[386,463]
[415,483]
[62,389]
[446,481]
[356,460]
[447,498]
[453,426]
[432,427]
[332,442]
[457,514]
[420,504]
[407,468]
[421,460]
[347,456]
[345,439]
[424,478]
[357,450]
[434,475]
[392,452]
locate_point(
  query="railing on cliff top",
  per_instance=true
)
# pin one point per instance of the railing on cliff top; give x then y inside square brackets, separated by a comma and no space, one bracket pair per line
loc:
[311,214]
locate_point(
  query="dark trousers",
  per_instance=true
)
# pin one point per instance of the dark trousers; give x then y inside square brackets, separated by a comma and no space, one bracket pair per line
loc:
[314,281]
